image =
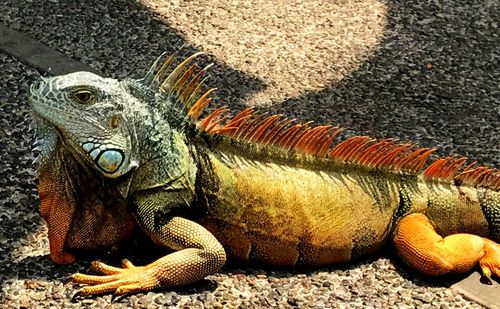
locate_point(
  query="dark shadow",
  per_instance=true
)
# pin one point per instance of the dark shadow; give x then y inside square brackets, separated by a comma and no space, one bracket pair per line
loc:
[434,79]
[387,251]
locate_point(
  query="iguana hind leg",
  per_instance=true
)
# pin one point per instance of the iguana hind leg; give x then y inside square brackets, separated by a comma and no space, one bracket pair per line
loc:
[421,247]
[199,254]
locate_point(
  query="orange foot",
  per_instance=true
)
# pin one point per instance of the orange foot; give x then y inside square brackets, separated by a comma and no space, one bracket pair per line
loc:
[121,281]
[490,261]
[420,246]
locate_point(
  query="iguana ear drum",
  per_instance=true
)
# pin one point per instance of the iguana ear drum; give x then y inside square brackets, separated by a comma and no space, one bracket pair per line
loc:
[110,160]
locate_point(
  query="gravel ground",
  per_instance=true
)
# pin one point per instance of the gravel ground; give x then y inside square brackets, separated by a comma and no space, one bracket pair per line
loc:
[431,76]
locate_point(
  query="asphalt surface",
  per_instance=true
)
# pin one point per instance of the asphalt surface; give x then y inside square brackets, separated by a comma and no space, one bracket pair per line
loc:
[426,72]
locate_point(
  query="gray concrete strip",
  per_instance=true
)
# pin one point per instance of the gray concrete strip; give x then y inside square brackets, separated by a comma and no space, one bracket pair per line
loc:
[36,54]
[471,288]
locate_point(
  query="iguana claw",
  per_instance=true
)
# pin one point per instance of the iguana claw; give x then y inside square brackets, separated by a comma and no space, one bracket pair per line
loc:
[490,261]
[75,297]
[121,281]
[114,297]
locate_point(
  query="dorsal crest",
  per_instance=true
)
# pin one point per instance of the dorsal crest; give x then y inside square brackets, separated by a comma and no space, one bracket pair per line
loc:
[185,83]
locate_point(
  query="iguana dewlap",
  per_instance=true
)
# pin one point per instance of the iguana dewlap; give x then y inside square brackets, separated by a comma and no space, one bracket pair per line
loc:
[120,155]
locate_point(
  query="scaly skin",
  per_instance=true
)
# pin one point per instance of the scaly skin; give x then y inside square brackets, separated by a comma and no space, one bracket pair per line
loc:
[283,215]
[121,154]
[320,216]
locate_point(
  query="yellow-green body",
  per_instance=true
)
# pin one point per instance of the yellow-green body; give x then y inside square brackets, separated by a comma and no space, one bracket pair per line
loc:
[308,211]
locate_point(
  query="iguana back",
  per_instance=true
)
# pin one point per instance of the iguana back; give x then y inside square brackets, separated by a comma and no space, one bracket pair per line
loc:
[307,211]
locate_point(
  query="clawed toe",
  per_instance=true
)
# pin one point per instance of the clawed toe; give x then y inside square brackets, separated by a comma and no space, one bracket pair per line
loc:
[121,281]
[92,279]
[103,268]
[127,264]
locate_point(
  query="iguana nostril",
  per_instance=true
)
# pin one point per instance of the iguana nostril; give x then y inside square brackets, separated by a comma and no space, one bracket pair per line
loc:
[37,86]
[116,121]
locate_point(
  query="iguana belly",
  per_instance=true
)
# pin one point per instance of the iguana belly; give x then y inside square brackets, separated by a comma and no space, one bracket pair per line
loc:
[284,215]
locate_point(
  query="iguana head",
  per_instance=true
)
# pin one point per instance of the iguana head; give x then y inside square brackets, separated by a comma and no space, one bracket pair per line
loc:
[93,132]
[86,140]
[90,115]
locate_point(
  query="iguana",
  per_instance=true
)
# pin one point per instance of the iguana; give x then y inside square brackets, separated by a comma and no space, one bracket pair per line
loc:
[120,155]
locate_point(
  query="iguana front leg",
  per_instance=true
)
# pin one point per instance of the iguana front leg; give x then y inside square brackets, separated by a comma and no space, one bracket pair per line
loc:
[199,254]
[421,247]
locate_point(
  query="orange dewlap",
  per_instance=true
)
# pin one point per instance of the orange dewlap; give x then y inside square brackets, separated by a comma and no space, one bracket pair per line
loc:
[80,214]
[57,210]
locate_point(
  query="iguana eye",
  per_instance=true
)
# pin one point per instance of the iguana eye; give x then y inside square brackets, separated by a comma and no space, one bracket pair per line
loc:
[83,96]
